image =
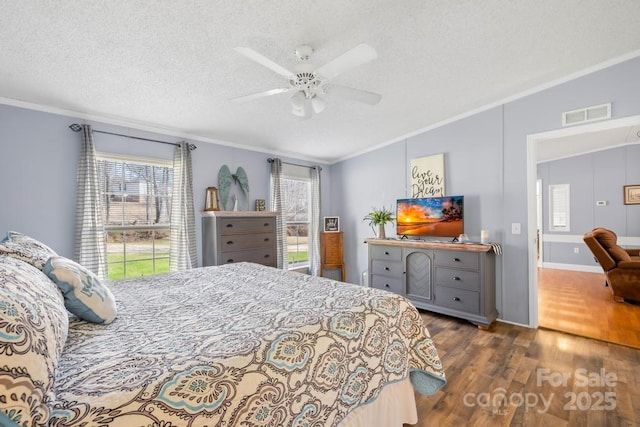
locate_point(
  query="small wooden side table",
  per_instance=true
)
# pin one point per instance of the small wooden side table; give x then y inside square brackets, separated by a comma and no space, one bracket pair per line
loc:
[331,252]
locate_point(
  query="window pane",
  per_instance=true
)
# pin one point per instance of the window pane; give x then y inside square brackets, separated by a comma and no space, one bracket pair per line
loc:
[136,194]
[559,207]
[298,243]
[297,201]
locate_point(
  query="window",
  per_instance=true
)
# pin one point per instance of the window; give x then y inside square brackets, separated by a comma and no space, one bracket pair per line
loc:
[559,202]
[136,206]
[297,202]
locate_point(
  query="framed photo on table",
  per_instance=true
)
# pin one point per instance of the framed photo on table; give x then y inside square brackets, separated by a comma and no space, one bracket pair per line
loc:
[331,224]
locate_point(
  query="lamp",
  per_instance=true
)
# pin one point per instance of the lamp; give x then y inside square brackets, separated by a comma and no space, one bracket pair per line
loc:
[211,200]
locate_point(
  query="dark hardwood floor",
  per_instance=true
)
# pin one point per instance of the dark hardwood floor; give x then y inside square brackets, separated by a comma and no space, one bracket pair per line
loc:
[579,303]
[517,376]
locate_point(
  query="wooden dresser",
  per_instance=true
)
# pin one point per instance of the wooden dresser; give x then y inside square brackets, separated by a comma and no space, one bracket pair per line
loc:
[454,279]
[236,236]
[331,252]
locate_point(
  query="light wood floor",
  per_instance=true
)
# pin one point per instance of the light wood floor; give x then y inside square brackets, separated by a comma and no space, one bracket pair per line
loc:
[519,363]
[579,303]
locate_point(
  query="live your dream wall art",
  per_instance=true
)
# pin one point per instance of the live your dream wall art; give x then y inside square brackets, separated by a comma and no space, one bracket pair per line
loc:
[427,176]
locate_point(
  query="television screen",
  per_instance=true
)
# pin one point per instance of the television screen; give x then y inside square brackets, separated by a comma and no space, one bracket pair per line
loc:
[430,216]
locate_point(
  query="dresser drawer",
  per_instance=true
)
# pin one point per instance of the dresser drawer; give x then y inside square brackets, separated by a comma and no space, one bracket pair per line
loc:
[233,242]
[460,279]
[458,259]
[392,284]
[391,253]
[264,256]
[227,226]
[387,268]
[458,299]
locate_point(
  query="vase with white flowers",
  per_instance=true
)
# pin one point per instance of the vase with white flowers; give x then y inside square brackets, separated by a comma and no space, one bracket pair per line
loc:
[379,217]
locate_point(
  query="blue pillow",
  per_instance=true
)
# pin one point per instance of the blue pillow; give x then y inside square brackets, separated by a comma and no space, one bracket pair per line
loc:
[84,294]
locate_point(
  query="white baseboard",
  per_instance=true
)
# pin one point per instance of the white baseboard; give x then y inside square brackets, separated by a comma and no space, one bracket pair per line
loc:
[524,325]
[573,267]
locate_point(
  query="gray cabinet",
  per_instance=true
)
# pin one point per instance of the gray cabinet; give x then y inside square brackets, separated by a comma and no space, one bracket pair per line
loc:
[230,236]
[453,279]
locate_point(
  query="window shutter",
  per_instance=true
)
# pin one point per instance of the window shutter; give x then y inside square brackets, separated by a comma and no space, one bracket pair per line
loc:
[559,203]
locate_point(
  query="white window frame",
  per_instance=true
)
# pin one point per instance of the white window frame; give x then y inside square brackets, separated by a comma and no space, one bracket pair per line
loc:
[559,207]
[114,157]
[299,173]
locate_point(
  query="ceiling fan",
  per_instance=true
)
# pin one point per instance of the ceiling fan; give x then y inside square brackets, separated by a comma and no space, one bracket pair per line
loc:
[310,84]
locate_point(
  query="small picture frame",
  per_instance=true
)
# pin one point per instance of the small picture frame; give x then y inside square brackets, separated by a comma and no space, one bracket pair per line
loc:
[632,194]
[331,224]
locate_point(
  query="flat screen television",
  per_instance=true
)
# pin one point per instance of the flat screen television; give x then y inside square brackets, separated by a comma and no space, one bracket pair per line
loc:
[430,216]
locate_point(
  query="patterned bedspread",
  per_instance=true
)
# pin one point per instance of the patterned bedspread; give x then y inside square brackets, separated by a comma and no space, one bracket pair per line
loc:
[240,344]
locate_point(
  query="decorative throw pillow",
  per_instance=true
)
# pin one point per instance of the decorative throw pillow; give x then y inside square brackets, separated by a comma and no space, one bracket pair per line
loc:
[609,241]
[84,294]
[25,248]
[33,326]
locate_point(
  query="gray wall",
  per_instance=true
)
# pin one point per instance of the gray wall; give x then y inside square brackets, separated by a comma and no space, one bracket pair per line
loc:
[592,177]
[38,172]
[486,161]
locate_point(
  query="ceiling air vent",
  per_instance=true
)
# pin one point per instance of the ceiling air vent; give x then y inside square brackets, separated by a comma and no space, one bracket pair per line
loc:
[589,114]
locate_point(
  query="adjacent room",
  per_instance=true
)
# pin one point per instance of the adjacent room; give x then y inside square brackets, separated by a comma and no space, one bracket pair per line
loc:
[359,213]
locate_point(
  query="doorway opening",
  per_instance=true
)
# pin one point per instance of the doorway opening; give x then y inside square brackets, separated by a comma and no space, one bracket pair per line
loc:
[567,142]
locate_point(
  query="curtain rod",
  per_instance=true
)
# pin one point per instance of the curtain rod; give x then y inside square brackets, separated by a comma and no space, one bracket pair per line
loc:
[270,160]
[77,128]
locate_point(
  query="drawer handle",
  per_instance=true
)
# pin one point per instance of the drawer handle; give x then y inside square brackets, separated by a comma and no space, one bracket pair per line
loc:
[456,299]
[266,224]
[386,252]
[386,285]
[230,260]
[229,225]
[267,256]
[230,242]
[386,268]
[456,259]
[456,278]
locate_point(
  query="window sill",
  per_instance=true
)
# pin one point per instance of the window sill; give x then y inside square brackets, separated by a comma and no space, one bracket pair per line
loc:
[300,269]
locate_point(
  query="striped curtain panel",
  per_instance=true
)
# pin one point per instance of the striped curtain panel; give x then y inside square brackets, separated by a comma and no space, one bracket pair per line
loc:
[90,244]
[314,232]
[182,251]
[277,204]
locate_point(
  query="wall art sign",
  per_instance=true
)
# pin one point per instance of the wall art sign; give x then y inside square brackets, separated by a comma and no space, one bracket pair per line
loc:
[632,194]
[427,176]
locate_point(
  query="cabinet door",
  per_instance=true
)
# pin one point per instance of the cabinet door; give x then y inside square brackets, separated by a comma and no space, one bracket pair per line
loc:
[331,248]
[418,267]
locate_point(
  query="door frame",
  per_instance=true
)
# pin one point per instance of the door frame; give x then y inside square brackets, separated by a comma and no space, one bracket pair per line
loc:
[532,208]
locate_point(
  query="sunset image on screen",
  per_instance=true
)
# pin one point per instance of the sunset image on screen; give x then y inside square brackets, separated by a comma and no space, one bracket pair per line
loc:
[434,216]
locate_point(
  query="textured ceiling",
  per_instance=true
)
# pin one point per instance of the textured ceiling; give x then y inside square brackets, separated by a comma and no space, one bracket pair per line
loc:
[171,65]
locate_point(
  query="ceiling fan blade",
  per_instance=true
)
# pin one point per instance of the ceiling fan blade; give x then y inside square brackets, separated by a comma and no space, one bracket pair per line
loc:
[260,95]
[264,61]
[363,96]
[359,55]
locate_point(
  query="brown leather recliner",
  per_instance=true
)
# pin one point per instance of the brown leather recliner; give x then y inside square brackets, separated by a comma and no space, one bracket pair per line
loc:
[621,266]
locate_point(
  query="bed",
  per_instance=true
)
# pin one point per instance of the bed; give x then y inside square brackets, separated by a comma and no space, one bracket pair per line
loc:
[240,344]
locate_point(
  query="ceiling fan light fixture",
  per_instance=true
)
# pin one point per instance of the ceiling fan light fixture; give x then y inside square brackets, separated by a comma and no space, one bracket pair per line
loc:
[318,104]
[298,100]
